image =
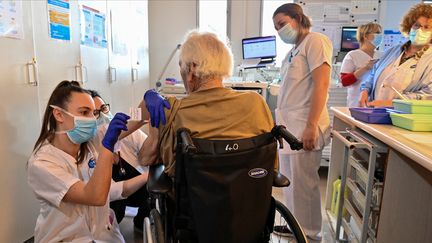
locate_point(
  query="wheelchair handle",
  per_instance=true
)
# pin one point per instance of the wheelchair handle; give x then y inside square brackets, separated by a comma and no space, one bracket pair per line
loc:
[186,140]
[281,132]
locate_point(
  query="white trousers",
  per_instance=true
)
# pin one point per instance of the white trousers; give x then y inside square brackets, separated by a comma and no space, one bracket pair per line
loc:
[302,197]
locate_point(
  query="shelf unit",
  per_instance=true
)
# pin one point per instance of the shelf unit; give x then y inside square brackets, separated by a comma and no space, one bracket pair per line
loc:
[363,157]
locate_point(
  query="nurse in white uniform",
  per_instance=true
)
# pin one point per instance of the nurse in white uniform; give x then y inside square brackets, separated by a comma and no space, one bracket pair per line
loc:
[406,69]
[70,178]
[301,107]
[357,63]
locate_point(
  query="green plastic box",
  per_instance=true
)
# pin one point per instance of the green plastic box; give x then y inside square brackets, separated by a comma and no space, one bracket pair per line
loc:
[413,106]
[413,122]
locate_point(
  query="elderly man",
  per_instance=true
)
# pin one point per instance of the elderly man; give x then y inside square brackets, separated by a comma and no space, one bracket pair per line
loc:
[209,110]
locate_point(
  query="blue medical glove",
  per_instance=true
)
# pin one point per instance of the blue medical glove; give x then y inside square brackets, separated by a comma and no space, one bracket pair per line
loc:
[156,107]
[117,124]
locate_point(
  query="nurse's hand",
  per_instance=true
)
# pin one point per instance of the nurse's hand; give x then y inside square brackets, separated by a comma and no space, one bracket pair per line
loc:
[370,64]
[364,96]
[380,103]
[156,105]
[117,124]
[309,137]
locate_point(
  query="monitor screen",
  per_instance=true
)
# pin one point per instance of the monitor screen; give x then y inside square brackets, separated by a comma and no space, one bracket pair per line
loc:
[349,41]
[259,47]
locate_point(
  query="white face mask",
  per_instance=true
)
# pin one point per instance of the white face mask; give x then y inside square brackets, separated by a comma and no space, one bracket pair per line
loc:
[288,34]
[419,37]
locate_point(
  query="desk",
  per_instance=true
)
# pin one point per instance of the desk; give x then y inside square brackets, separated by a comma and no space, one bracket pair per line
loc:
[406,209]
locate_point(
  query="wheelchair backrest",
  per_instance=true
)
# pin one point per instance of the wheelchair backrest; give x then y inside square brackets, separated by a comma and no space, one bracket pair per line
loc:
[223,187]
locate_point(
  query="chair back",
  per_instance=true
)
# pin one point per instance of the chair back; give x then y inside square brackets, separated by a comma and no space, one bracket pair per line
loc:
[223,188]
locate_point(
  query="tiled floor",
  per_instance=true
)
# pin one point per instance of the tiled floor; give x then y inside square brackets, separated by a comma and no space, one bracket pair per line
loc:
[132,236]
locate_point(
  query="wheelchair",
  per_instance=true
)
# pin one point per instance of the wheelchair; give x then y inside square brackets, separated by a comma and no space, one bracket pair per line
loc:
[221,192]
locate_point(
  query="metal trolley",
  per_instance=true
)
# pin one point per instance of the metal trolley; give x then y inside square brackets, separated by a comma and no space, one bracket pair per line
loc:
[362,176]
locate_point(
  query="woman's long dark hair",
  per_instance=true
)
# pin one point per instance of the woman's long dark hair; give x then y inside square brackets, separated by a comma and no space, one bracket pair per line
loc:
[59,97]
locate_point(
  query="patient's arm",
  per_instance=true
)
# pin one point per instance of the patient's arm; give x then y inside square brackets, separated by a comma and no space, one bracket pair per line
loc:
[149,150]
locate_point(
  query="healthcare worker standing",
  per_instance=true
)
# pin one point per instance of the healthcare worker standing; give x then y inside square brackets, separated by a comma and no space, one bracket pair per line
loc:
[70,178]
[357,63]
[301,107]
[404,70]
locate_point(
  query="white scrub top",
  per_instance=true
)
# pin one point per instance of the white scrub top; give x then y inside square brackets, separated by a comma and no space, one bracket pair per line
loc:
[128,147]
[294,99]
[396,76]
[51,172]
[353,61]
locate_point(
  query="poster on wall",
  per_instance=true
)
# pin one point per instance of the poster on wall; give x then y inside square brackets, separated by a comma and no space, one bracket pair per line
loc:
[120,31]
[11,19]
[93,32]
[59,19]
[393,38]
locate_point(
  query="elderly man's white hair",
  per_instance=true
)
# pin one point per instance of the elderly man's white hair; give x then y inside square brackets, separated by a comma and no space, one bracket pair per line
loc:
[211,57]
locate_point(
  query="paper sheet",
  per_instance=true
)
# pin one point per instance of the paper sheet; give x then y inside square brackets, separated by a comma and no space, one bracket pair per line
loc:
[392,38]
[336,12]
[333,32]
[93,31]
[59,19]
[314,11]
[364,6]
[11,19]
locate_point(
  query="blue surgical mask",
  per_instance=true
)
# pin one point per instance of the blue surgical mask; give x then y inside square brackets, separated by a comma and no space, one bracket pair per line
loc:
[85,128]
[377,40]
[104,118]
[288,34]
[419,37]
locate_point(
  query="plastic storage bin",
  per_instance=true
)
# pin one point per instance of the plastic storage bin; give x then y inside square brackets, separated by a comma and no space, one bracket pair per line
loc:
[413,106]
[371,115]
[413,122]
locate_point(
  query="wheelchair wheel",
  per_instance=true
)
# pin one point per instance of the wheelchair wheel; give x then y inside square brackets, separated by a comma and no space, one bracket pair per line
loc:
[284,219]
[156,225]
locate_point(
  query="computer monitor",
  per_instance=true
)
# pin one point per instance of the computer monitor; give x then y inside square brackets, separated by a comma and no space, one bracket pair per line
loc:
[349,41]
[259,47]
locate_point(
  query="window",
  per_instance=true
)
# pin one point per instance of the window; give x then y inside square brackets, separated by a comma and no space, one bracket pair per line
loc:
[213,16]
[267,27]
[428,2]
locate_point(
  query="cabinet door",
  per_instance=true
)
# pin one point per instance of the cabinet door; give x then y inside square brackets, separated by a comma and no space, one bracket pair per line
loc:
[94,59]
[140,50]
[57,59]
[119,55]
[19,128]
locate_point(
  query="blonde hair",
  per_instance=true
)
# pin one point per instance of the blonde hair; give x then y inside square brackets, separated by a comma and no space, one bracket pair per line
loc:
[417,11]
[208,54]
[365,29]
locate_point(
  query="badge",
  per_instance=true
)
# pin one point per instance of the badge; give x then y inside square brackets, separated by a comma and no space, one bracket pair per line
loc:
[91,163]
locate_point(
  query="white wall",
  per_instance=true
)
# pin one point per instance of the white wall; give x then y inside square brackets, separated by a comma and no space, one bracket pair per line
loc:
[169,21]
[392,12]
[245,22]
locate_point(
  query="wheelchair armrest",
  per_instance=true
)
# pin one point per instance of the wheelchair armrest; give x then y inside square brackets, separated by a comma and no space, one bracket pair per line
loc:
[158,181]
[280,180]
